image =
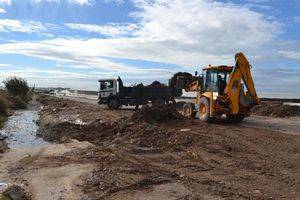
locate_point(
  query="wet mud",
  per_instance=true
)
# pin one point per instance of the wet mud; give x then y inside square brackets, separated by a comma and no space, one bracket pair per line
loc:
[136,159]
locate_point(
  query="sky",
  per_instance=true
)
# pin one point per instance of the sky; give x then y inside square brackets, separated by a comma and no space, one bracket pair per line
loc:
[73,43]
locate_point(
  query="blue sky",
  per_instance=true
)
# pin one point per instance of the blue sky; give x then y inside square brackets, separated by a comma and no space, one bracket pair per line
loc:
[73,43]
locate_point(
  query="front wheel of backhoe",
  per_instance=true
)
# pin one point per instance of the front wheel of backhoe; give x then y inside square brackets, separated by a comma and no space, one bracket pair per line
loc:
[204,110]
[189,110]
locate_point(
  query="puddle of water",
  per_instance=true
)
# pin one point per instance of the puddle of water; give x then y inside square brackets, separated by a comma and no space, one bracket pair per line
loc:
[21,129]
[291,104]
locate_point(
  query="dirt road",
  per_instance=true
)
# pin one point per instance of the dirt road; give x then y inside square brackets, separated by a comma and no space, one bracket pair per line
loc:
[283,125]
[174,159]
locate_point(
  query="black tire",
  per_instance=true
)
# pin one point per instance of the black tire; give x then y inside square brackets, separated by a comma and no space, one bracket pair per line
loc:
[113,104]
[158,102]
[189,110]
[235,118]
[204,110]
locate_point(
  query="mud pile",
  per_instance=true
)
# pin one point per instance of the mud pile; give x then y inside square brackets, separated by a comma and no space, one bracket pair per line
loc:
[16,192]
[157,113]
[64,131]
[276,109]
[157,84]
[177,92]
[173,80]
[136,157]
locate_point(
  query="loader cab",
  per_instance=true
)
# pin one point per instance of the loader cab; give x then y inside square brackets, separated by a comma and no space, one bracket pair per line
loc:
[215,78]
[108,87]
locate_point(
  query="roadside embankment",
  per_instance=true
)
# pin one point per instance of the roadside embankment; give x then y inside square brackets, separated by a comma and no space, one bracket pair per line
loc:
[137,156]
[276,109]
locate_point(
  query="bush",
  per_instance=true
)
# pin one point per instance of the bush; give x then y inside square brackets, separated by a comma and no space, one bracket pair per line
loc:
[3,106]
[17,86]
[3,110]
[2,120]
[18,103]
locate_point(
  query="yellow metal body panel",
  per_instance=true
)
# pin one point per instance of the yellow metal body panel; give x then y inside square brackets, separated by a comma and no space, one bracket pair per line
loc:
[209,96]
[240,72]
[233,90]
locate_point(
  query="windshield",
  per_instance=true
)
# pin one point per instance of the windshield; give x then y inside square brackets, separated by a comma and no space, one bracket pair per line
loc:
[213,77]
[104,85]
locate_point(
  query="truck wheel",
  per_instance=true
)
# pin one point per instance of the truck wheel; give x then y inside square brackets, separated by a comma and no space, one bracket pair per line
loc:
[235,118]
[113,104]
[158,102]
[204,110]
[189,110]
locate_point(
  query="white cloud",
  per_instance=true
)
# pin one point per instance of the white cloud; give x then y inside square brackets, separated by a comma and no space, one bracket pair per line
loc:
[291,54]
[115,1]
[5,65]
[297,19]
[258,1]
[112,30]
[79,2]
[185,33]
[5,1]
[8,25]
[2,10]
[180,32]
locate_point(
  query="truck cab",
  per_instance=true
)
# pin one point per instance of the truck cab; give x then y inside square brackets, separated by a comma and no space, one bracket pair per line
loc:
[108,88]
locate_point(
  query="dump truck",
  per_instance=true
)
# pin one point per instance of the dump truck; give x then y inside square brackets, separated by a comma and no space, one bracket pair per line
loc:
[114,94]
[221,90]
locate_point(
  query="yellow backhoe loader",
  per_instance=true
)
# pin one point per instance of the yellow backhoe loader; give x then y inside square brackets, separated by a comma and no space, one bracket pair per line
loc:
[221,91]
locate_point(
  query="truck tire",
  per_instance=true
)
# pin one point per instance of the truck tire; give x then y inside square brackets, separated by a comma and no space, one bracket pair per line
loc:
[189,110]
[204,110]
[158,102]
[235,118]
[113,104]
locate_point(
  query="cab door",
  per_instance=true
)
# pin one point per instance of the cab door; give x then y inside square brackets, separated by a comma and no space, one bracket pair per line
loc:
[211,81]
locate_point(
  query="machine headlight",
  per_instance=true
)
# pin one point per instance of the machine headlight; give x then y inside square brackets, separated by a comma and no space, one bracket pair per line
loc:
[215,95]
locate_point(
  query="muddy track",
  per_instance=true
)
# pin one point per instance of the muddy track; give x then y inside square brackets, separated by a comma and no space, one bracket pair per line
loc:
[177,159]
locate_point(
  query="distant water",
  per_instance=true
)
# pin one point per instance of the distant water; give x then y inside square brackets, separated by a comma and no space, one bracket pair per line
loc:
[292,104]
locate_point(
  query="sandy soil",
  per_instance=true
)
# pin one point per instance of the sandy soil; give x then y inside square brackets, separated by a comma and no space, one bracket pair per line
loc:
[177,159]
[283,125]
[38,170]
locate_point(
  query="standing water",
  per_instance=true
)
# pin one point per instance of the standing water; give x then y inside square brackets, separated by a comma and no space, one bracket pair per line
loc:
[21,128]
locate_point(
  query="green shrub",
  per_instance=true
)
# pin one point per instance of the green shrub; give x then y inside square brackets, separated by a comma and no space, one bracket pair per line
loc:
[3,106]
[17,86]
[18,103]
[2,120]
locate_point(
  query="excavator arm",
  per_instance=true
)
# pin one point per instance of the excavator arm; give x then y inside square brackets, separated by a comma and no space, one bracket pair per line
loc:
[234,88]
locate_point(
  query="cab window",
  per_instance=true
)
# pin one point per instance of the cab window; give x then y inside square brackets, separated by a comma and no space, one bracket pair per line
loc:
[211,81]
[104,85]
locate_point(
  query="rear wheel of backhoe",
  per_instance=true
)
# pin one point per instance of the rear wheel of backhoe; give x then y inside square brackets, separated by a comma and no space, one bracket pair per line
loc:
[113,104]
[204,110]
[235,118]
[189,110]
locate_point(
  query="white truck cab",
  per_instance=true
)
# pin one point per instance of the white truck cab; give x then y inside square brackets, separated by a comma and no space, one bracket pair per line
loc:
[108,87]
